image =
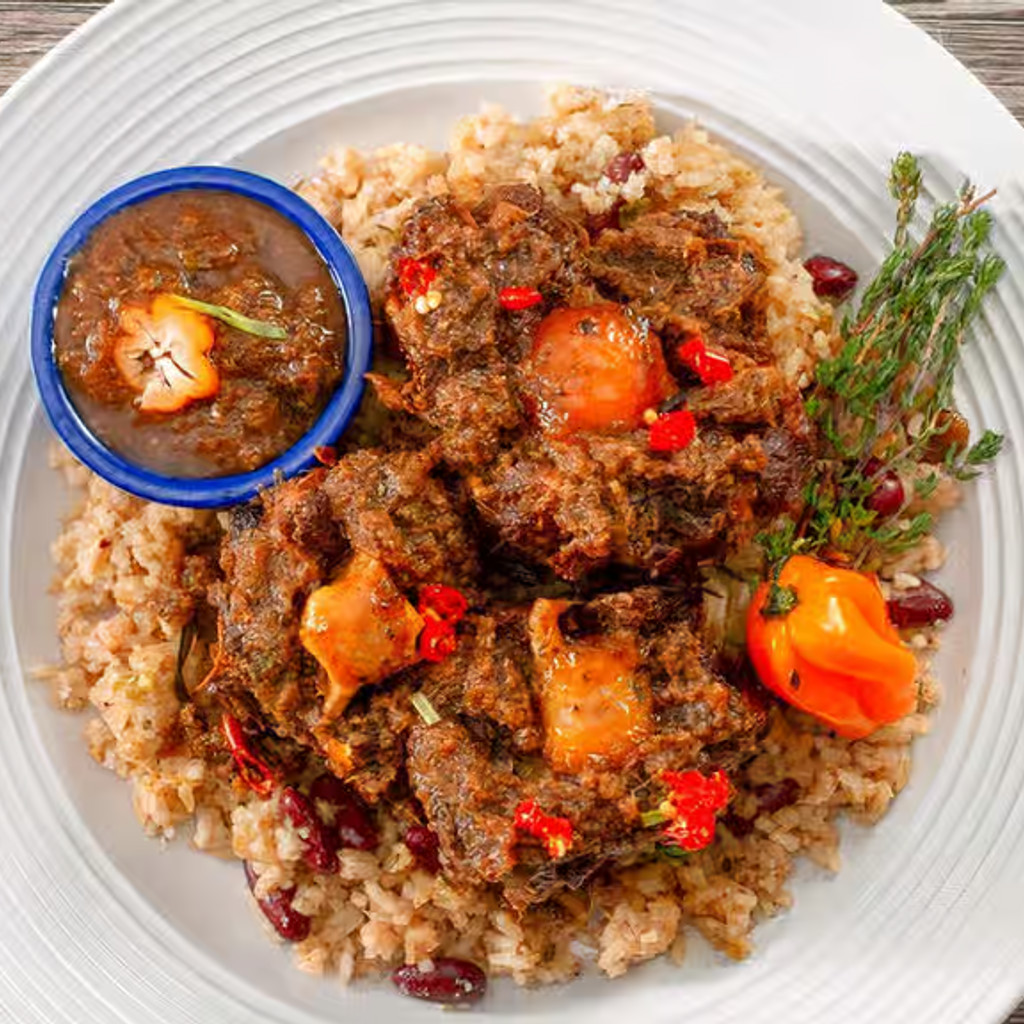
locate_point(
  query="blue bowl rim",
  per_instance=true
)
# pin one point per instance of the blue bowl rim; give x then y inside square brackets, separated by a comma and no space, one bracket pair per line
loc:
[202,492]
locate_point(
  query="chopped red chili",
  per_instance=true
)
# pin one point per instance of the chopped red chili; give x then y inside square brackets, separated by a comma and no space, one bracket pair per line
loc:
[325,455]
[672,431]
[554,833]
[415,276]
[519,298]
[442,602]
[691,806]
[253,770]
[437,640]
[710,367]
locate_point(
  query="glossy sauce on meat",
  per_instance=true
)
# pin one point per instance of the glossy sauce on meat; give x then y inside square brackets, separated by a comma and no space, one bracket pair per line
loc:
[226,250]
[579,673]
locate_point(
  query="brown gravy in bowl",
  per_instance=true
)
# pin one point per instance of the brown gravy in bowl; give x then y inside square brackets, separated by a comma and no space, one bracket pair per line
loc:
[178,387]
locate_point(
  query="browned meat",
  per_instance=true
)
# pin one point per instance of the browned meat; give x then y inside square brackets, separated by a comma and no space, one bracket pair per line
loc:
[271,561]
[684,272]
[461,355]
[629,658]
[757,396]
[469,799]
[789,468]
[367,746]
[486,678]
[583,504]
[384,505]
[392,507]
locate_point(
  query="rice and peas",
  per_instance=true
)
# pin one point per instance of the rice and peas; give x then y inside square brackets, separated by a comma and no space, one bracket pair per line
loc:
[126,578]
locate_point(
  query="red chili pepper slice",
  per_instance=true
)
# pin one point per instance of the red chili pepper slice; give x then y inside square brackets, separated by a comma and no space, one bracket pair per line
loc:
[691,351]
[691,805]
[555,833]
[254,771]
[442,602]
[415,276]
[519,298]
[326,455]
[710,367]
[672,431]
[437,640]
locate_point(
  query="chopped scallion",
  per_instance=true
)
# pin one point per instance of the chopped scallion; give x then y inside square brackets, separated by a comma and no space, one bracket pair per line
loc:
[426,710]
[671,851]
[233,318]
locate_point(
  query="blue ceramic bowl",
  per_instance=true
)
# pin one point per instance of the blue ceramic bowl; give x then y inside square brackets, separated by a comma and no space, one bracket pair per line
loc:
[203,492]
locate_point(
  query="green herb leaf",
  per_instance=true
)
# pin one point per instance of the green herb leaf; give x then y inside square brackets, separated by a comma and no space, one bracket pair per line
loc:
[924,487]
[880,401]
[672,851]
[233,318]
[985,449]
[426,710]
[651,818]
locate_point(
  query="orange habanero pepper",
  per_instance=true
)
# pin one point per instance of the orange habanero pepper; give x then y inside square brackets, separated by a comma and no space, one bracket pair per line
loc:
[820,638]
[163,353]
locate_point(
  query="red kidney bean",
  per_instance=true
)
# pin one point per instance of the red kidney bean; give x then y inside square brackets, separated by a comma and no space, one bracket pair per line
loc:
[621,166]
[771,797]
[277,909]
[352,820]
[445,980]
[831,279]
[738,826]
[888,495]
[423,845]
[320,843]
[923,605]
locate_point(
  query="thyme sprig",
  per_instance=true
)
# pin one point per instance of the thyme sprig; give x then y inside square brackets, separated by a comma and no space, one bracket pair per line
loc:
[883,402]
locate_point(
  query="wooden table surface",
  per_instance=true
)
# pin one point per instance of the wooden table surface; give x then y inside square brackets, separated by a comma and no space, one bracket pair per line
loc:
[986,35]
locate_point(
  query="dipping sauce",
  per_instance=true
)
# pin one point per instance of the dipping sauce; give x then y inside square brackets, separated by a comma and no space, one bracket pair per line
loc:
[177,390]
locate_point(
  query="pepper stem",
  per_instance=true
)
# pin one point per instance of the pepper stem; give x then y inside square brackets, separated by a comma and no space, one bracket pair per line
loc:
[780,601]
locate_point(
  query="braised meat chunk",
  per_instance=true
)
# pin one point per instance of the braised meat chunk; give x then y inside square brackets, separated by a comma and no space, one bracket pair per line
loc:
[685,272]
[395,508]
[584,504]
[276,553]
[314,601]
[461,347]
[363,611]
[621,690]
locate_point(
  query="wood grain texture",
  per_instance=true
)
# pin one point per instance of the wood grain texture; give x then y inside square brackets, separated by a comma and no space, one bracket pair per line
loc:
[28,28]
[988,37]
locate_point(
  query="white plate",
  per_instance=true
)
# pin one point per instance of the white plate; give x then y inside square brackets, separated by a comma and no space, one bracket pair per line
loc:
[926,921]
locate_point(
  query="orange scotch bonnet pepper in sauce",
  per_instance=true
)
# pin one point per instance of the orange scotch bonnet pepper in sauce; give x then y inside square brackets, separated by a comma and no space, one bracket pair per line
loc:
[360,628]
[594,369]
[162,354]
[594,713]
[820,638]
